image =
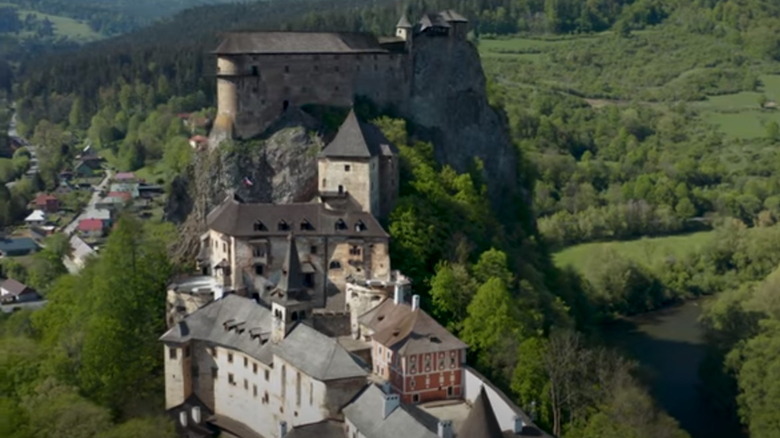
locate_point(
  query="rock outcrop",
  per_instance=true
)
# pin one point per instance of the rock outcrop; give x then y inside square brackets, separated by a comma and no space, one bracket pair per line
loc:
[280,168]
[449,108]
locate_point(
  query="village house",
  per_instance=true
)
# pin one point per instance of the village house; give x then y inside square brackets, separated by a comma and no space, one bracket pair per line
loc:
[131,188]
[91,228]
[12,291]
[36,218]
[17,246]
[80,252]
[46,202]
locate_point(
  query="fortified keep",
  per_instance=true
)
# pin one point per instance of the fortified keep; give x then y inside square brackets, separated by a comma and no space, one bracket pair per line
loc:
[261,74]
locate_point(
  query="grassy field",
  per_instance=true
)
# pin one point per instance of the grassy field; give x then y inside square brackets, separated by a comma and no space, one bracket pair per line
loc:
[645,251]
[63,26]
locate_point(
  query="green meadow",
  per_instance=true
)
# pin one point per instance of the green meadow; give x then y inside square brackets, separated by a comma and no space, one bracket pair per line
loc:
[645,251]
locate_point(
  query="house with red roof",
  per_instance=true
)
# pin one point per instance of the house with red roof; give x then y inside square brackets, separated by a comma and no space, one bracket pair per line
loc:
[91,227]
[125,177]
[46,202]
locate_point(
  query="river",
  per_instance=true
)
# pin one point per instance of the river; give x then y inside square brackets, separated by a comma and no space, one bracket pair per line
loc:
[669,346]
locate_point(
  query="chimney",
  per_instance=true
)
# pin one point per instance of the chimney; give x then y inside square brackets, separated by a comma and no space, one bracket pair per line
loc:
[444,429]
[391,402]
[398,297]
[196,414]
[519,425]
[183,418]
[282,429]
[415,302]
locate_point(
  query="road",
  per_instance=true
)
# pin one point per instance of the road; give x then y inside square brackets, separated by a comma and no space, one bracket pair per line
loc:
[12,132]
[89,210]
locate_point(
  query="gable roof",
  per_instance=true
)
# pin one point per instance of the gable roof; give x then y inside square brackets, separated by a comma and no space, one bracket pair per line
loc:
[18,244]
[451,16]
[356,139]
[14,287]
[318,355]
[407,421]
[403,21]
[235,43]
[236,218]
[407,331]
[481,421]
[122,176]
[241,324]
[36,216]
[43,198]
[90,225]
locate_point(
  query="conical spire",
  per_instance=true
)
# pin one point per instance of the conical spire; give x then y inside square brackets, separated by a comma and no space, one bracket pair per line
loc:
[292,277]
[481,420]
[404,22]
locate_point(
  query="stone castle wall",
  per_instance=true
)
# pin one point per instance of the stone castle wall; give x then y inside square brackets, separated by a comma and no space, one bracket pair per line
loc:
[253,90]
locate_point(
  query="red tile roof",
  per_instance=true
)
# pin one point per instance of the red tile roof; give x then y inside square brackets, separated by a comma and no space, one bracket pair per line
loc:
[43,198]
[126,196]
[91,225]
[124,175]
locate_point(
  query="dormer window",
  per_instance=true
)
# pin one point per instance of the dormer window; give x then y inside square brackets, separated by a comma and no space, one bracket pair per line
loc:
[306,225]
[283,226]
[259,226]
[360,226]
[341,225]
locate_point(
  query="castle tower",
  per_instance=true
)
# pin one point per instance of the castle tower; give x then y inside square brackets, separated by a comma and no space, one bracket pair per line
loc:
[290,301]
[361,164]
[227,98]
[403,29]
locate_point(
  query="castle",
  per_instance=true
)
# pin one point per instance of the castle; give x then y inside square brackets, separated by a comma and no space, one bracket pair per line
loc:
[261,74]
[295,324]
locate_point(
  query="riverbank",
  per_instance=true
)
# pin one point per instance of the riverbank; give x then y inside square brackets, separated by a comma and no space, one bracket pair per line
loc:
[670,348]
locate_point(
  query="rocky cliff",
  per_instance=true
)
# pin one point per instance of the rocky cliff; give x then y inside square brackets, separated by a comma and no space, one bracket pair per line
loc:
[280,168]
[449,107]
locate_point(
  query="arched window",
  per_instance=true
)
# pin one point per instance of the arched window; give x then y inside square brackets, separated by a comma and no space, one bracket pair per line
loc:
[335,264]
[295,316]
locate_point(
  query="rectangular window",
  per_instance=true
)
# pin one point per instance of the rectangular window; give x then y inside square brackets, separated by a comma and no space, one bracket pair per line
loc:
[246,362]
[214,373]
[267,375]
[254,391]
[308,280]
[254,368]
[230,357]
[347,168]
[246,384]
[171,353]
[313,249]
[231,379]
[259,269]
[298,388]
[258,251]
[213,351]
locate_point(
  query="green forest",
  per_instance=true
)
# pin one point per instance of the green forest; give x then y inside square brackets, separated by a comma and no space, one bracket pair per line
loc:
[632,119]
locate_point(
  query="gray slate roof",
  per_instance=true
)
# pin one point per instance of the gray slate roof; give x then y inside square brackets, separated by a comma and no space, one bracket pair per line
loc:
[238,219]
[403,22]
[405,421]
[319,356]
[292,276]
[407,331]
[356,139]
[304,347]
[450,15]
[235,43]
[14,288]
[207,324]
